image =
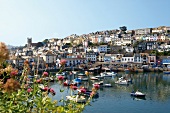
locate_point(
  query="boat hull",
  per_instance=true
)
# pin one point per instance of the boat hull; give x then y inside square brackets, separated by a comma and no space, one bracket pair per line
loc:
[166,72]
[137,95]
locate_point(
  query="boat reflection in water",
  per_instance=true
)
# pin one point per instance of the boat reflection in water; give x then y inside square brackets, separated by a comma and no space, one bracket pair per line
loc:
[138,98]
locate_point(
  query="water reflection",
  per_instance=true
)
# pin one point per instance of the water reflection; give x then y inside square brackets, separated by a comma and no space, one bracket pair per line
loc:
[156,86]
[138,98]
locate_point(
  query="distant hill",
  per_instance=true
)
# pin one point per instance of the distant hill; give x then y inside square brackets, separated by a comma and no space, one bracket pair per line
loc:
[11,46]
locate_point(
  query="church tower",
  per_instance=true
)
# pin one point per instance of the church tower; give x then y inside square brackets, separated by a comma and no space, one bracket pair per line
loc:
[29,42]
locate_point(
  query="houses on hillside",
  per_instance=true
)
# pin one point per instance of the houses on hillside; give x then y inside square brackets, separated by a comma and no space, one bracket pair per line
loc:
[110,46]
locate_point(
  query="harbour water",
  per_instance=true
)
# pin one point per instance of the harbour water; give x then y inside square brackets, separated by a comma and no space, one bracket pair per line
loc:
[117,99]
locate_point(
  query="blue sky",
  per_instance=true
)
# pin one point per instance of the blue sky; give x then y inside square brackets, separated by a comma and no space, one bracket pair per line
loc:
[44,19]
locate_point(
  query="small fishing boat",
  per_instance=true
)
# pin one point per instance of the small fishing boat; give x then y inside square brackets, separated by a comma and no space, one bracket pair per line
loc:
[61,74]
[93,78]
[122,82]
[137,94]
[99,77]
[84,79]
[107,85]
[111,73]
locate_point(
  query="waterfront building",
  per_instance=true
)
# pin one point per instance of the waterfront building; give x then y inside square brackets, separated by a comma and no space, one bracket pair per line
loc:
[128,57]
[71,61]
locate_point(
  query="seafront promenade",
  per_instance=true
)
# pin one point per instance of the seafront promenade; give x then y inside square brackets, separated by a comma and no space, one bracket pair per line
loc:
[114,66]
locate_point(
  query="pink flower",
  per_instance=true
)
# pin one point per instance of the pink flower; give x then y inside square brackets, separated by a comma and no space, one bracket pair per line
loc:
[45,74]
[60,78]
[65,84]
[14,73]
[39,81]
[73,87]
[52,91]
[45,88]
[96,86]
[82,90]
[29,90]
[63,62]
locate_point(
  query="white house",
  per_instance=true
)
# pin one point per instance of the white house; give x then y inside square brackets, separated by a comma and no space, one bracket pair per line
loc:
[107,39]
[72,61]
[49,58]
[138,58]
[127,58]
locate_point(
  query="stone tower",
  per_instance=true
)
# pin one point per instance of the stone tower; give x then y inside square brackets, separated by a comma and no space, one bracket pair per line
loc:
[29,42]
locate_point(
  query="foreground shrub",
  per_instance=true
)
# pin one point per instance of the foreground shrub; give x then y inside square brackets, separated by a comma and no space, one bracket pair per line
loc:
[19,94]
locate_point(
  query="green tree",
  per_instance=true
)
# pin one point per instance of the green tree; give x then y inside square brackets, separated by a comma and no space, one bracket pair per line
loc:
[46,41]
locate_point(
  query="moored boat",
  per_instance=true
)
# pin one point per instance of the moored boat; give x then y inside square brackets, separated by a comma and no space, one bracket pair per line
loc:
[122,82]
[93,78]
[107,85]
[137,94]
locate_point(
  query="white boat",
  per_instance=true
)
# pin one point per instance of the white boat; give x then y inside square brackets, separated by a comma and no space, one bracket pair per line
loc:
[137,94]
[77,98]
[104,74]
[93,78]
[107,74]
[107,85]
[122,82]
[99,77]
[84,79]
[62,74]
[111,73]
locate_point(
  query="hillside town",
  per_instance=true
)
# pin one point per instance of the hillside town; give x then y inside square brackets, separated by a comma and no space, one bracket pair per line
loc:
[116,49]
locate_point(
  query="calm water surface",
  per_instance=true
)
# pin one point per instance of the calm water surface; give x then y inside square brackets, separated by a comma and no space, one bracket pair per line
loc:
[117,99]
